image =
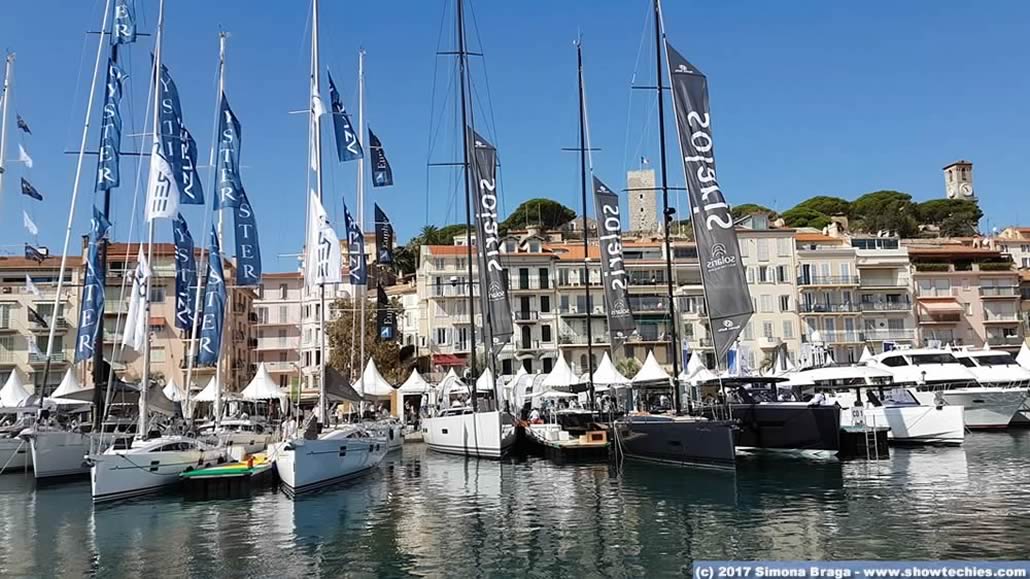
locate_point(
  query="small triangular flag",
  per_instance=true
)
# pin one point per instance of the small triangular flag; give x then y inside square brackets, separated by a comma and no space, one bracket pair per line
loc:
[23,157]
[29,225]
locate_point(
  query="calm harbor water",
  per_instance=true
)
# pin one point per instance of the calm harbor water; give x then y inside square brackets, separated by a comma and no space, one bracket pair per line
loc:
[425,514]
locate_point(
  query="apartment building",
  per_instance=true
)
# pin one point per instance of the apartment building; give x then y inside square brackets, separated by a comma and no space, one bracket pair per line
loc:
[828,287]
[966,296]
[278,331]
[884,292]
[1015,241]
[18,328]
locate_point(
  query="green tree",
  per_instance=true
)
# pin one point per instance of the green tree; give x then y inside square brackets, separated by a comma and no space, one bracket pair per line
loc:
[826,205]
[745,209]
[405,258]
[344,340]
[954,217]
[891,211]
[544,212]
[805,217]
[628,367]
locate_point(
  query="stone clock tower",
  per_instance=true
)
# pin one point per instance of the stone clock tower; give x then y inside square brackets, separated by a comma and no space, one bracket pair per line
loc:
[958,181]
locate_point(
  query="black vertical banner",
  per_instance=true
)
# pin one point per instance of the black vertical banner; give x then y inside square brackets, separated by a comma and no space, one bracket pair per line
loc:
[494,292]
[386,318]
[722,272]
[384,237]
[613,270]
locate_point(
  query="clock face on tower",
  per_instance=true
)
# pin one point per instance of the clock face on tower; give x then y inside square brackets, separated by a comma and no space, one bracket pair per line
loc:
[966,190]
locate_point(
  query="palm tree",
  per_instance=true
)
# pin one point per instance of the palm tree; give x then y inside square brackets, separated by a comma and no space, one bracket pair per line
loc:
[429,235]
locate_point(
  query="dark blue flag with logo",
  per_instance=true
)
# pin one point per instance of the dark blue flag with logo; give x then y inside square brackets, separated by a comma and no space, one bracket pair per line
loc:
[228,164]
[347,146]
[123,30]
[213,315]
[23,125]
[248,252]
[176,143]
[108,172]
[384,237]
[386,318]
[30,191]
[185,274]
[382,174]
[356,262]
[192,192]
[91,310]
[34,254]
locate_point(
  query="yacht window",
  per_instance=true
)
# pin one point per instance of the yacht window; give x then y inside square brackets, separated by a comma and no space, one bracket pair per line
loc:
[967,362]
[933,359]
[996,360]
[894,361]
[898,396]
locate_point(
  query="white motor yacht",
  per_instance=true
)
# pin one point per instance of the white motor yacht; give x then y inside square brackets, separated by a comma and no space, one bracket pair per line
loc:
[241,436]
[148,465]
[306,464]
[997,368]
[868,395]
[489,434]
[936,377]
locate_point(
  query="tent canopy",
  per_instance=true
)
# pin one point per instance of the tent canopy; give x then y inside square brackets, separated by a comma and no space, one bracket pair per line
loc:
[561,376]
[485,382]
[14,394]
[606,375]
[372,383]
[208,393]
[69,385]
[866,354]
[415,384]
[696,372]
[651,372]
[262,387]
[1023,358]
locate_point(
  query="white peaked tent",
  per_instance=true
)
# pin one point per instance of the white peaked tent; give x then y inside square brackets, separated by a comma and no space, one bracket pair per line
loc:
[451,384]
[607,375]
[14,394]
[69,385]
[372,383]
[651,372]
[1023,358]
[208,393]
[866,354]
[262,387]
[561,376]
[485,382]
[415,384]
[696,372]
[173,392]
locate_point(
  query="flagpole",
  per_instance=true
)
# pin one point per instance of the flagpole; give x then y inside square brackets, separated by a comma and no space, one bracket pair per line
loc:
[363,289]
[8,71]
[316,126]
[586,238]
[141,429]
[75,196]
[221,240]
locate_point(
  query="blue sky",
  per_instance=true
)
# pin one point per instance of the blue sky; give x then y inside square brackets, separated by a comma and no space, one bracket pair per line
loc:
[808,98]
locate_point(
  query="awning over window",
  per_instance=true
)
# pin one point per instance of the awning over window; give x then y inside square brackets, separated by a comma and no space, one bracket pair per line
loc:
[447,360]
[944,306]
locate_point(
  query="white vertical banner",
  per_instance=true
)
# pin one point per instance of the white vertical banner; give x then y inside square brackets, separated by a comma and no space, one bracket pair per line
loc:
[136,318]
[162,190]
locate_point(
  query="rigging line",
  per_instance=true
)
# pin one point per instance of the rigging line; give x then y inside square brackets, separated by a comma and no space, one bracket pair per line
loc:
[70,122]
[632,81]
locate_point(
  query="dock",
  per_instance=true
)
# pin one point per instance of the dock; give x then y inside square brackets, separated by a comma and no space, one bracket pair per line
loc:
[230,480]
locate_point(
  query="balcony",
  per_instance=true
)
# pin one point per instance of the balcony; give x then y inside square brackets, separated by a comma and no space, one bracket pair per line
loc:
[282,367]
[1006,292]
[275,343]
[526,316]
[871,282]
[40,359]
[61,323]
[1007,341]
[931,267]
[451,291]
[838,337]
[527,345]
[990,318]
[531,284]
[889,335]
[578,340]
[827,280]
[828,308]
[885,306]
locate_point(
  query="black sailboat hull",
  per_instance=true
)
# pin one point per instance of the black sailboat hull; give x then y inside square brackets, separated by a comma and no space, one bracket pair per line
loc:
[784,426]
[680,441]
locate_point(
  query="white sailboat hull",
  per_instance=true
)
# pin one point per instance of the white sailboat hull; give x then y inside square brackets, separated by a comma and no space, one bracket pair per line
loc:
[480,434]
[306,465]
[915,424]
[985,407]
[241,444]
[119,474]
[14,453]
[57,453]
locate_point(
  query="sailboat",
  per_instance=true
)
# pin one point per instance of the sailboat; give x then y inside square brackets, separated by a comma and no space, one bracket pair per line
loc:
[482,429]
[153,463]
[314,460]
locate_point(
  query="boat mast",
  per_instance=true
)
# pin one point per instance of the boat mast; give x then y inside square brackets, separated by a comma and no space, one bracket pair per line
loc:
[74,199]
[221,221]
[466,125]
[666,212]
[316,136]
[141,430]
[586,237]
[6,96]
[362,290]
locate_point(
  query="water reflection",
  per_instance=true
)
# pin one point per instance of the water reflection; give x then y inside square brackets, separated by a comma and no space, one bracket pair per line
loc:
[432,515]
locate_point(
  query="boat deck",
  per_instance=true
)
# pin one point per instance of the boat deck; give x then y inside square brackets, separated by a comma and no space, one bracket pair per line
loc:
[229,480]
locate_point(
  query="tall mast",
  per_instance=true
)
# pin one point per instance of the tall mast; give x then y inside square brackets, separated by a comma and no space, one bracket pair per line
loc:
[586,238]
[466,124]
[316,136]
[221,221]
[75,196]
[666,213]
[8,71]
[362,290]
[141,430]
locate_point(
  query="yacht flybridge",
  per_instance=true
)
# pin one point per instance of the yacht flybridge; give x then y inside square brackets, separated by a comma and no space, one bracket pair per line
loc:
[937,377]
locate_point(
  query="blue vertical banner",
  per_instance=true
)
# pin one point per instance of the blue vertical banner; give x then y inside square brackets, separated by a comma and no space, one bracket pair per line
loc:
[356,262]
[185,274]
[248,251]
[108,172]
[91,310]
[213,316]
[382,174]
[386,318]
[123,29]
[347,146]
[384,237]
[177,145]
[229,184]
[191,192]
